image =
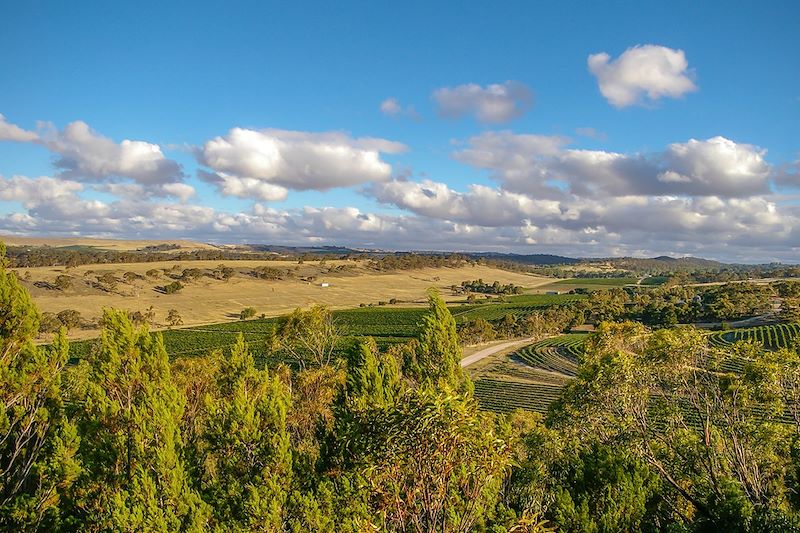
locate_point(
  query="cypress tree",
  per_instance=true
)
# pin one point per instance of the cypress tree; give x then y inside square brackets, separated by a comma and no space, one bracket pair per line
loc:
[134,475]
[434,359]
[248,460]
[37,444]
[373,379]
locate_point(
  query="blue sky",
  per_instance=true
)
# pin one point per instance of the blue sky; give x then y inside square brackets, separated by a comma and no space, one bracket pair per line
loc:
[683,140]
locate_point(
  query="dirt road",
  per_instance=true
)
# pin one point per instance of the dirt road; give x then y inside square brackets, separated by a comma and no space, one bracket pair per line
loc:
[491,350]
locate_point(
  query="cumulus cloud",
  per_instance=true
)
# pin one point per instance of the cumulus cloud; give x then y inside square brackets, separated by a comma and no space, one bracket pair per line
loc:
[495,103]
[245,187]
[87,155]
[12,132]
[31,192]
[84,155]
[732,228]
[542,165]
[647,72]
[480,205]
[297,160]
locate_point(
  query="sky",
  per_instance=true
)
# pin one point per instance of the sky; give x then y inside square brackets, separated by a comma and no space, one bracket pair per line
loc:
[585,129]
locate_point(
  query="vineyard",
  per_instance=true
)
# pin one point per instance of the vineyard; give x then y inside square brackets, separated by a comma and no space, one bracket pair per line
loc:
[388,325]
[532,377]
[505,396]
[771,337]
[519,306]
[544,367]
[558,354]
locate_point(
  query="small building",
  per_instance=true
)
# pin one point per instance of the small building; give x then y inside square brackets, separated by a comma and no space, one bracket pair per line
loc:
[553,292]
[324,284]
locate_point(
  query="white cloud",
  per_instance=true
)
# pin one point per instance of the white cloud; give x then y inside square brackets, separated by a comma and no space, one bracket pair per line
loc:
[480,205]
[495,103]
[591,133]
[183,191]
[245,187]
[12,132]
[86,155]
[647,71]
[540,165]
[391,107]
[31,192]
[299,160]
[734,228]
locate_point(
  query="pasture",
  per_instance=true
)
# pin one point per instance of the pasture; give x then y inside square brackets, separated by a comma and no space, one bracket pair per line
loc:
[207,300]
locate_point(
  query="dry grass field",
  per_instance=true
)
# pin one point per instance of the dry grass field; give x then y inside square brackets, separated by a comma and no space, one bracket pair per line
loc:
[119,245]
[208,300]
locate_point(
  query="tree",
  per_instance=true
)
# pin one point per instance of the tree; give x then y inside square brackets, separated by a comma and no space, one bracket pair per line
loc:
[129,416]
[174,318]
[37,443]
[63,282]
[69,318]
[49,323]
[713,435]
[373,378]
[247,312]
[790,309]
[309,335]
[172,288]
[432,462]
[246,447]
[476,332]
[435,357]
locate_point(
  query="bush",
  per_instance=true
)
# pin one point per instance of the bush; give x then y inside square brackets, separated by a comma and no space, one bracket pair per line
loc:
[49,323]
[247,312]
[69,318]
[130,277]
[172,288]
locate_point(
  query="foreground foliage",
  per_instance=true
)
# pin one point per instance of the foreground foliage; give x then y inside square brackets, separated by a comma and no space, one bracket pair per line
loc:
[657,432]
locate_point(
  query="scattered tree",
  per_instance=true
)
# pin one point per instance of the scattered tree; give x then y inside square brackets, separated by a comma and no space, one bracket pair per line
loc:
[174,318]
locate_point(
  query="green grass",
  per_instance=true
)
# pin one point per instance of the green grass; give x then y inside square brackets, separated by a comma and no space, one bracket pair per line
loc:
[653,281]
[519,305]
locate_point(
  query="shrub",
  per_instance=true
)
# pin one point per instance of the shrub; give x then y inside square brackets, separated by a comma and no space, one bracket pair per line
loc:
[69,318]
[172,288]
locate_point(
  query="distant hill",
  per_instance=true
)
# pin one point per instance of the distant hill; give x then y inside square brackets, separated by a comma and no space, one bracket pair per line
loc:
[661,263]
[527,259]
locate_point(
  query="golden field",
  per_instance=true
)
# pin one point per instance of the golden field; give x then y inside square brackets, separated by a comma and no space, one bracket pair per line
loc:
[208,300]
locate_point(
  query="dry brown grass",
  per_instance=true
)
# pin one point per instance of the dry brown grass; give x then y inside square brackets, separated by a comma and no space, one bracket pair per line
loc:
[118,245]
[209,300]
